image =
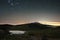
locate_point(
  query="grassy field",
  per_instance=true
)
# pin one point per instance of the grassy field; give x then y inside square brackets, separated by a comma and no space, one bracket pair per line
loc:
[52,34]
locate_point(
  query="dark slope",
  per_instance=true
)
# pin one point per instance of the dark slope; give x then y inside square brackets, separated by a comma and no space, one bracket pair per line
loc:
[28,26]
[5,26]
[34,25]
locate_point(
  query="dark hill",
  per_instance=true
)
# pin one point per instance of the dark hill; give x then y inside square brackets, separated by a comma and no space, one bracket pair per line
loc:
[28,26]
[34,25]
[5,26]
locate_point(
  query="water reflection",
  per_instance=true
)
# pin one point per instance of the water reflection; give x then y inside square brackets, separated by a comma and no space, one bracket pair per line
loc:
[16,32]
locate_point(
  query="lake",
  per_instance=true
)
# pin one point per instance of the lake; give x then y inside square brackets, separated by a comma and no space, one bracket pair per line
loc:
[17,32]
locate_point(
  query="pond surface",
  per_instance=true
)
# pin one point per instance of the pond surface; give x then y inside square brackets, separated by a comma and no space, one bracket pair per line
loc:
[16,32]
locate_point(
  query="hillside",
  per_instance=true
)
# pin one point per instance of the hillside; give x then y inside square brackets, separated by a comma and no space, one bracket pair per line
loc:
[35,29]
[32,26]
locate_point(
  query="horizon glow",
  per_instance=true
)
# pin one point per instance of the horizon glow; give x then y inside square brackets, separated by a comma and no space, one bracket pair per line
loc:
[50,23]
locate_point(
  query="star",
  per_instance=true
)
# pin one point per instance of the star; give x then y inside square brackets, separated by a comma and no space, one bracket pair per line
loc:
[12,4]
[8,1]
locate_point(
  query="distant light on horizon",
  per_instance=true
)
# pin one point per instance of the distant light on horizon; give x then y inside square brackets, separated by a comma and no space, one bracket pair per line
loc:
[50,23]
[42,22]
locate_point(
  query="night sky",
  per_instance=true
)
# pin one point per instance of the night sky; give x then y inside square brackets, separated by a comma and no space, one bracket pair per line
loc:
[27,11]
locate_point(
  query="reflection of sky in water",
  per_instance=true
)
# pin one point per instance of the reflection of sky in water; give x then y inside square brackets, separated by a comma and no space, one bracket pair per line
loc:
[16,32]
